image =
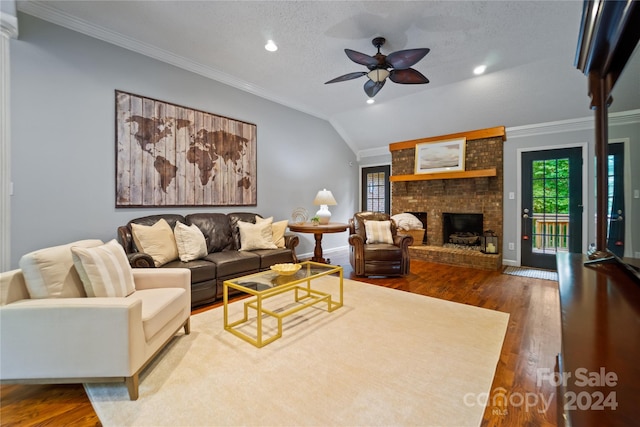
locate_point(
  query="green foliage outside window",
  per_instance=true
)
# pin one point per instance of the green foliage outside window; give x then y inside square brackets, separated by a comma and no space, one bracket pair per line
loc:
[551,186]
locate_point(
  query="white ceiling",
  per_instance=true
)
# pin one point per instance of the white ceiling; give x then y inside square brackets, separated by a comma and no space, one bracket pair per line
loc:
[528,47]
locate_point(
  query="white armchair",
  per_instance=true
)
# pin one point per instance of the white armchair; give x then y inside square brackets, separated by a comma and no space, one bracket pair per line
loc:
[68,338]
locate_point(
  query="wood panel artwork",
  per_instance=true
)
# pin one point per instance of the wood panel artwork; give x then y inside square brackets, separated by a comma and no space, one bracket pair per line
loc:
[169,155]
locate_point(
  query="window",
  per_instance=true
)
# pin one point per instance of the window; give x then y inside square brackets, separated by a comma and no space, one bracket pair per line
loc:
[376,189]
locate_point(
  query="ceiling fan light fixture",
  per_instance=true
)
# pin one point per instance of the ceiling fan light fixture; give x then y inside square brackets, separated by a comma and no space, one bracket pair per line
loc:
[378,75]
[371,101]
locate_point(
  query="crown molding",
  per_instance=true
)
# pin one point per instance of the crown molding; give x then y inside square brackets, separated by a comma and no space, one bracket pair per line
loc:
[624,117]
[572,125]
[45,12]
[9,25]
[373,152]
[585,123]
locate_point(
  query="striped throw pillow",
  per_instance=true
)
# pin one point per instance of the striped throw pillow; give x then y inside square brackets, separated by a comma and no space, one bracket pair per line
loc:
[378,232]
[104,270]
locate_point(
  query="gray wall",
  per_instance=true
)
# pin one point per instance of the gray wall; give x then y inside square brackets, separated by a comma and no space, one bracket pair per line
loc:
[63,141]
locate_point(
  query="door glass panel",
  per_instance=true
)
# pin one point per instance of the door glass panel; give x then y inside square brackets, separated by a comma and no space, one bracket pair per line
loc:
[550,206]
[615,199]
[375,192]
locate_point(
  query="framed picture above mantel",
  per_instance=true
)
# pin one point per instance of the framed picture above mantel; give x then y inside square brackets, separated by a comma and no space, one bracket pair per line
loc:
[440,156]
[170,155]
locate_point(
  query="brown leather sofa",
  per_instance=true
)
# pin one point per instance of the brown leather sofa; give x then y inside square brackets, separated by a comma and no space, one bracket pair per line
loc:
[377,259]
[223,262]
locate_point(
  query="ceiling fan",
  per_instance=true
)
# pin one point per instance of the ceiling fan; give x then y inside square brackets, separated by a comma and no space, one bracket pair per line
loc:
[396,66]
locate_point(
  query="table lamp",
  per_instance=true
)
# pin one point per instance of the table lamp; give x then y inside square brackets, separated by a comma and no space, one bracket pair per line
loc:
[324,198]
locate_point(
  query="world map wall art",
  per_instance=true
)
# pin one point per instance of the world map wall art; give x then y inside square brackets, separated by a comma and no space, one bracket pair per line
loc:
[169,155]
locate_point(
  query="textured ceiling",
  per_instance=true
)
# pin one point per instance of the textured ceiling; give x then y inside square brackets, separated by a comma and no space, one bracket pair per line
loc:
[528,47]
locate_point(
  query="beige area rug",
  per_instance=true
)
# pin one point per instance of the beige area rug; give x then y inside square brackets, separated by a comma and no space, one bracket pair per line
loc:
[387,357]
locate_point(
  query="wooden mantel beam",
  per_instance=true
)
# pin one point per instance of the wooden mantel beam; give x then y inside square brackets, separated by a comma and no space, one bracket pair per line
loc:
[470,135]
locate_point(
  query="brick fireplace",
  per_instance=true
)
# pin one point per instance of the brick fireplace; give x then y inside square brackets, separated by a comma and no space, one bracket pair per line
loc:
[478,190]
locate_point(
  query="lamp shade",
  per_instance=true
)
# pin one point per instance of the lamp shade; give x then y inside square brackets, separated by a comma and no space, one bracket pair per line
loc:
[378,75]
[324,197]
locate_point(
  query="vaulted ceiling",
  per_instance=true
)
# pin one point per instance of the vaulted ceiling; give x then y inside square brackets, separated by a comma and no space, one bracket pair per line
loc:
[527,46]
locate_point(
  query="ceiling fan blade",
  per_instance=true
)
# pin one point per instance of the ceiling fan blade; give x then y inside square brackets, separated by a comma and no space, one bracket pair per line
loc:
[347,77]
[361,58]
[404,59]
[371,87]
[408,77]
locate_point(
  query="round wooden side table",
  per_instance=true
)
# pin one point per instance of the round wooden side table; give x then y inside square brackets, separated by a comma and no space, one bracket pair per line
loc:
[318,231]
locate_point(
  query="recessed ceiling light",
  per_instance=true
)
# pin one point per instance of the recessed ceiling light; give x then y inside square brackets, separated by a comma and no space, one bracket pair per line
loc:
[479,69]
[370,101]
[271,46]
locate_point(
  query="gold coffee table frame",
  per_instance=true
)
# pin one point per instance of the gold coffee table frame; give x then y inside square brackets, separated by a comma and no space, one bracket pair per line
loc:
[269,284]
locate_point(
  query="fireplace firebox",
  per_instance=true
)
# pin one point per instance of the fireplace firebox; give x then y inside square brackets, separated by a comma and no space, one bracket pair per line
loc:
[462,228]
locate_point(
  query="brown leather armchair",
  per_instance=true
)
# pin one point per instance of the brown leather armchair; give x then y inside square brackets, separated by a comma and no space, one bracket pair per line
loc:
[377,259]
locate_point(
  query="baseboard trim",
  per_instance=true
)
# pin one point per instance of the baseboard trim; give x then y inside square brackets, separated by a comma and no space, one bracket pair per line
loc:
[325,252]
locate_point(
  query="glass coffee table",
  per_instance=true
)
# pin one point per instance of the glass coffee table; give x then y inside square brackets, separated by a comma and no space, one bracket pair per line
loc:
[268,284]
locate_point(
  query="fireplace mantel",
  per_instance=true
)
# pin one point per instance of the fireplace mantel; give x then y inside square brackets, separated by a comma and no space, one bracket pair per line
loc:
[498,131]
[479,173]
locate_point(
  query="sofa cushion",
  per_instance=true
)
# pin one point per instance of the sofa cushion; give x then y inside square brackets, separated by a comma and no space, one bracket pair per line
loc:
[216,229]
[104,270]
[50,273]
[190,242]
[268,257]
[382,252]
[152,219]
[156,240]
[256,236]
[378,232]
[201,269]
[159,306]
[233,263]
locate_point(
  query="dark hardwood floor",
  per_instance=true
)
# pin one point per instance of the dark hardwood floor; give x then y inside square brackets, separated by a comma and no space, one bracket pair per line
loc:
[516,399]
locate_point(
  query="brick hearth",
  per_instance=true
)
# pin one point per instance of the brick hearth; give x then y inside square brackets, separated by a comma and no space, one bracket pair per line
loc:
[465,195]
[461,257]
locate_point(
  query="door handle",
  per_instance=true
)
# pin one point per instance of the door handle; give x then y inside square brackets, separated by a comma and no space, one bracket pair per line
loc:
[620,217]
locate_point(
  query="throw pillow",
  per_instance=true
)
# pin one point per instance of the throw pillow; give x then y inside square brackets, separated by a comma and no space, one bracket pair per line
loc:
[190,242]
[104,270]
[378,232]
[49,272]
[156,240]
[277,229]
[256,236]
